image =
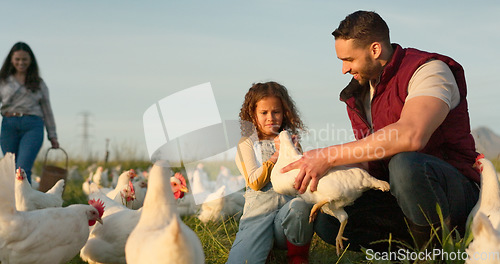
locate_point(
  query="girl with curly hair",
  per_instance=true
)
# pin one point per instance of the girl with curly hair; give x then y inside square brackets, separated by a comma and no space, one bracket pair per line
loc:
[269,219]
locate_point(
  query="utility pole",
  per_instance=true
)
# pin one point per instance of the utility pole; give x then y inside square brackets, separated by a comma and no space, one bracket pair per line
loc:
[86,149]
[106,156]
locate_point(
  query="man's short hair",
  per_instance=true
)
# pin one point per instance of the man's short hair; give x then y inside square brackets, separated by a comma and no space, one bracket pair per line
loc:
[364,27]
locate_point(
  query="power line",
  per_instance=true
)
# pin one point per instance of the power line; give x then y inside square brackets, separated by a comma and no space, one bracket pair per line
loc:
[85,136]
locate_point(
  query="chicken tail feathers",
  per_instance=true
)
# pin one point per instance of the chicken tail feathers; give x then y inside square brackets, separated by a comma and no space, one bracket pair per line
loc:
[58,188]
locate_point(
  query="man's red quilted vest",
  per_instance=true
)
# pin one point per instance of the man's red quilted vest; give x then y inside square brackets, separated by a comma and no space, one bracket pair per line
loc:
[451,141]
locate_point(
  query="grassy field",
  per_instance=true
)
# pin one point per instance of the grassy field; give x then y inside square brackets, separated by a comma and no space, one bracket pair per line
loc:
[217,238]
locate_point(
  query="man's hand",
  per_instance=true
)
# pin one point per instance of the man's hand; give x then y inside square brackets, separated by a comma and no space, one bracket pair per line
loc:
[313,166]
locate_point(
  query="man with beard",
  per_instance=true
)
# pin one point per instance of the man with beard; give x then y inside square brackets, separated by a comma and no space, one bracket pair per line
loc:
[408,110]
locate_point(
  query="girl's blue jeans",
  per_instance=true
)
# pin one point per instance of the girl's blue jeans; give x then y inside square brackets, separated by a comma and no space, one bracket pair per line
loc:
[418,183]
[269,220]
[22,136]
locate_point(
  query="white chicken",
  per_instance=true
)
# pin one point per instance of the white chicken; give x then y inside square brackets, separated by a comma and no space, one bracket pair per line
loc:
[200,182]
[232,183]
[161,236]
[122,180]
[223,177]
[114,174]
[145,173]
[100,177]
[489,197]
[106,243]
[74,174]
[86,185]
[485,215]
[35,181]
[212,207]
[44,236]
[91,168]
[125,197]
[233,204]
[28,199]
[187,206]
[141,187]
[486,245]
[340,187]
[178,184]
[110,204]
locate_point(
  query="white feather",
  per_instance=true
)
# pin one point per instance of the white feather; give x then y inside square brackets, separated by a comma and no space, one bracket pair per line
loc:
[161,236]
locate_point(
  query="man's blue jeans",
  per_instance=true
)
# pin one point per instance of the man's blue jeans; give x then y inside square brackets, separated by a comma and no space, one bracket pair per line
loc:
[418,182]
[22,136]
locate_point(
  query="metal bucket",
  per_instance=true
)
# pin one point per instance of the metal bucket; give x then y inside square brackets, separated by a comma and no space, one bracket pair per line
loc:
[51,174]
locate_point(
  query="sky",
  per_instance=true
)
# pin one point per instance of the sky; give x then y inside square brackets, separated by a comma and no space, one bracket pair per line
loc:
[111,60]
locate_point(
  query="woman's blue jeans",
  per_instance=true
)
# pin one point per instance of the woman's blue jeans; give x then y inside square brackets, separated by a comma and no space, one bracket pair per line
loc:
[22,136]
[418,183]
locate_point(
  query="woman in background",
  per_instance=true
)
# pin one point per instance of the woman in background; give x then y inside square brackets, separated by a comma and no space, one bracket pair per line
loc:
[25,107]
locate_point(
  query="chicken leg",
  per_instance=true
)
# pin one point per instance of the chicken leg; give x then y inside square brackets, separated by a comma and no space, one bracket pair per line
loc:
[315,209]
[341,215]
[339,244]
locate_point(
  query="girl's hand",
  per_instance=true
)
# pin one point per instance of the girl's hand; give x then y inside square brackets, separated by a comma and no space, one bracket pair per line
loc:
[295,140]
[274,157]
[277,143]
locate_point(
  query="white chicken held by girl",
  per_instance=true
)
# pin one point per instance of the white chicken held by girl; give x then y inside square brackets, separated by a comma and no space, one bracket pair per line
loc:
[340,187]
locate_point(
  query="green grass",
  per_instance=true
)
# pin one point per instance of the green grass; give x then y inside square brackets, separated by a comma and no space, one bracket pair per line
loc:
[217,238]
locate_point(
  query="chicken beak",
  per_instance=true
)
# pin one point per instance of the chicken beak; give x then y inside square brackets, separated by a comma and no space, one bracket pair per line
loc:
[99,220]
[184,189]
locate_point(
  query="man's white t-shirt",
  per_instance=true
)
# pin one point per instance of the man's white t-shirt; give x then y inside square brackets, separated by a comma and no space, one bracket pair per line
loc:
[433,78]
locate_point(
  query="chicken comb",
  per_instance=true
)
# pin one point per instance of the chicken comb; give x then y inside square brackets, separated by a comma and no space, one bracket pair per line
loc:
[130,196]
[132,173]
[181,178]
[132,189]
[19,174]
[477,164]
[99,205]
